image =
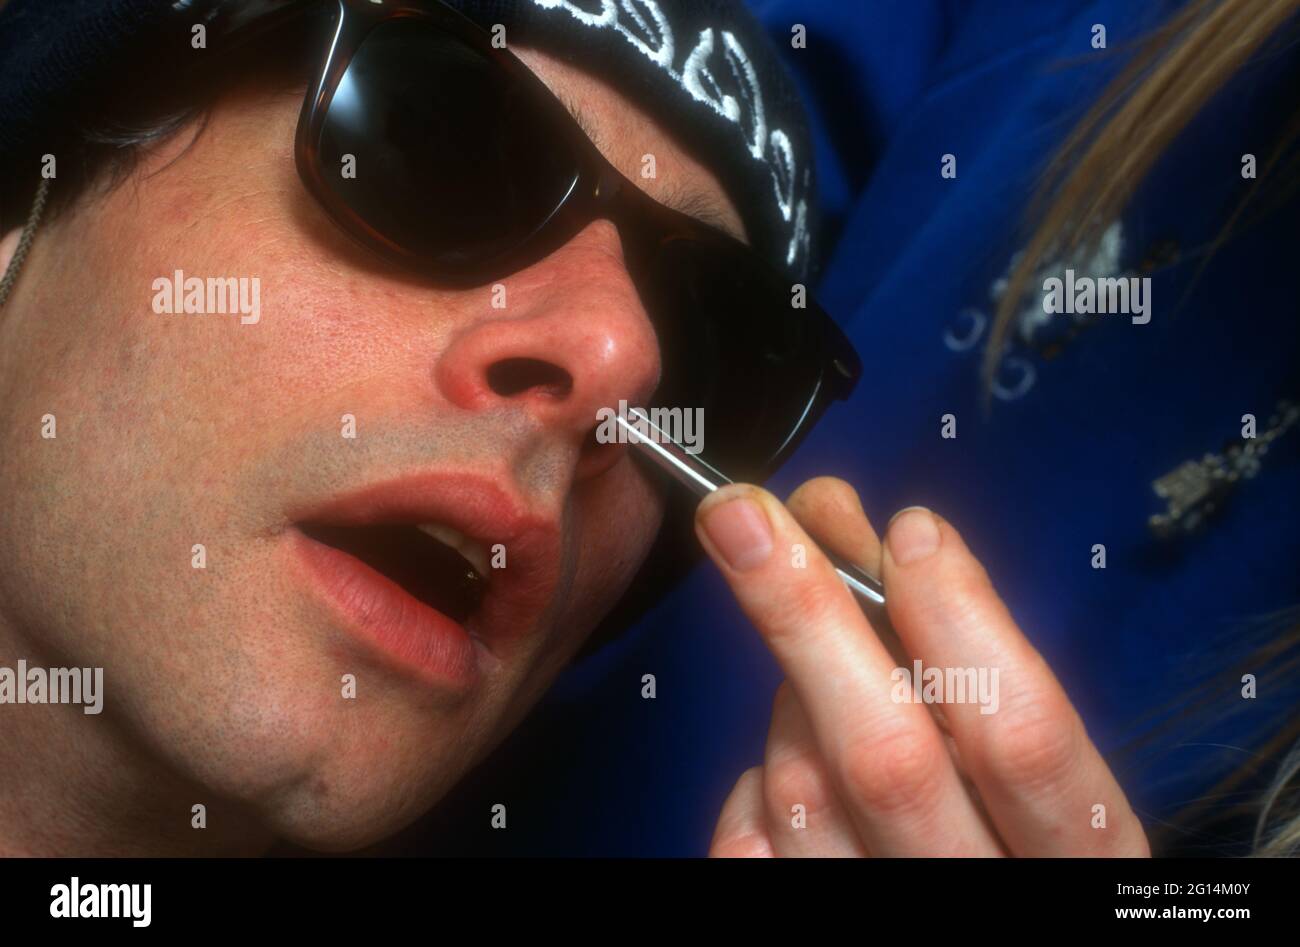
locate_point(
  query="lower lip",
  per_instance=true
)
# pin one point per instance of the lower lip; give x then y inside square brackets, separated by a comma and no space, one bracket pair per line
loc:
[416,638]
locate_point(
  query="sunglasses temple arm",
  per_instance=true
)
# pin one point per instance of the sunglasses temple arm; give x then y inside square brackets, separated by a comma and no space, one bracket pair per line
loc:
[699,478]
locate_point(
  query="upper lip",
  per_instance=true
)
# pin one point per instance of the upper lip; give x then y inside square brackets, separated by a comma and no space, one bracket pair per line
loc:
[482,508]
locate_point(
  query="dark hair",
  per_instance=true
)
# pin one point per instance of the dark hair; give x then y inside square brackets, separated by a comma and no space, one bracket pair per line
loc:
[101,135]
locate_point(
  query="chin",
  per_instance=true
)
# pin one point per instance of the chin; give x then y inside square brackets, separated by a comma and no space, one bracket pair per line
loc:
[345,825]
[347,797]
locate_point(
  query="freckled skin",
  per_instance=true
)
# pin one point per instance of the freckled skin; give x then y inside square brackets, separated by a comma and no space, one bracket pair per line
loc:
[223,686]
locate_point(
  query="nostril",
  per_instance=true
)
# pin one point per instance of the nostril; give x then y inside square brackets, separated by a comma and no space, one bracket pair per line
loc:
[514,376]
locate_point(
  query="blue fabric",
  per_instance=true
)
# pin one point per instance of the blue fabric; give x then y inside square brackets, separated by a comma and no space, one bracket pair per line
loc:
[1065,464]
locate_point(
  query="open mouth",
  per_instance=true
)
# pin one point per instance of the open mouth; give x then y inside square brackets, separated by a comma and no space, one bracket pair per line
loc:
[414,568]
[433,563]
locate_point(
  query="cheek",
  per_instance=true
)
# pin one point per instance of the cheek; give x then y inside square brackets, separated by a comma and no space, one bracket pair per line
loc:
[97,340]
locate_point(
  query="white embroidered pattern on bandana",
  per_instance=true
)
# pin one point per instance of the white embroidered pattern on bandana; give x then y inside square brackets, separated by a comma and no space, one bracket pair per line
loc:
[644,25]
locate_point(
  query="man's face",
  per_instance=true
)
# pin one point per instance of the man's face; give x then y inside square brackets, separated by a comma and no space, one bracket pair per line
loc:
[228,685]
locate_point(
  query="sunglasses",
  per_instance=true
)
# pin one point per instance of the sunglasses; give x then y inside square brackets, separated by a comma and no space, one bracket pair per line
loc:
[467,168]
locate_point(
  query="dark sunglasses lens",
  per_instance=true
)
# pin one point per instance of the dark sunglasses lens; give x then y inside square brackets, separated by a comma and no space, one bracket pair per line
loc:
[450,160]
[733,345]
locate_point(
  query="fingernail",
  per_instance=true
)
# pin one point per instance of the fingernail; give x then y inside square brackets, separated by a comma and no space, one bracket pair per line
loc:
[913,534]
[740,531]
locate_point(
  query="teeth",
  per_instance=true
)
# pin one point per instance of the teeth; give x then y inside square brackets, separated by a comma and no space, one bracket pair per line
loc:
[469,548]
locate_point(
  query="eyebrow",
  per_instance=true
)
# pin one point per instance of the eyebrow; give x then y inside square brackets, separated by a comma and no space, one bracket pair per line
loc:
[702,206]
[693,203]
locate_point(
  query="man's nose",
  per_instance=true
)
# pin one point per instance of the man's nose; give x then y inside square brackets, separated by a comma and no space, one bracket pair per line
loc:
[571,338]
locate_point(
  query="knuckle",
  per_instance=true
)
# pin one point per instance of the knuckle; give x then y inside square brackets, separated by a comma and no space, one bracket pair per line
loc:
[951,597]
[816,597]
[807,600]
[899,773]
[796,781]
[1034,745]
[970,578]
[965,588]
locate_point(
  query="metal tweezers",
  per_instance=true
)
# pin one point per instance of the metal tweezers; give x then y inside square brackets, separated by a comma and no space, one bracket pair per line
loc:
[701,479]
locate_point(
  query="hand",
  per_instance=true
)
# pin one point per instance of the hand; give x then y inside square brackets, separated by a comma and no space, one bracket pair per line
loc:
[1009,770]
